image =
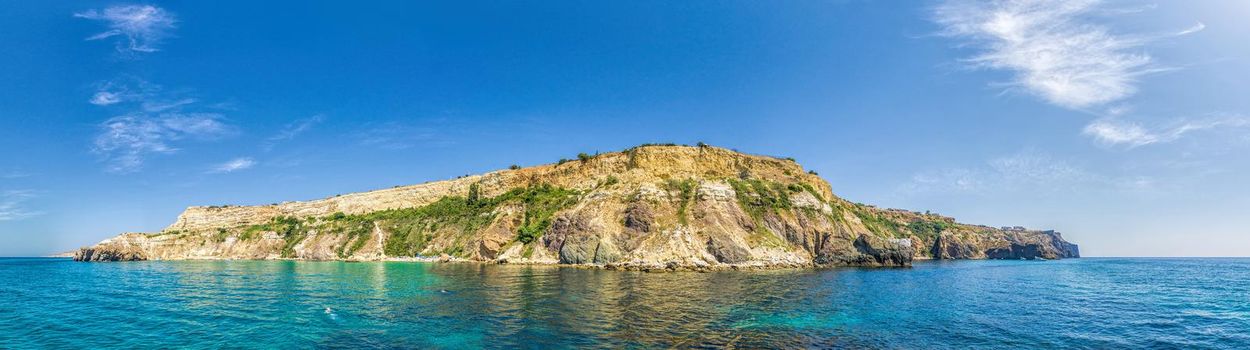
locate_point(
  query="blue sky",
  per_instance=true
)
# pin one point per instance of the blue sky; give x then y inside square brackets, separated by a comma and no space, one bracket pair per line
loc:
[1123,124]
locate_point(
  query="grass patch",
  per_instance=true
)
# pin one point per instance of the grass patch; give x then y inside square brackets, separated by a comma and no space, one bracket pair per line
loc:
[878,224]
[412,229]
[685,189]
[760,197]
[928,228]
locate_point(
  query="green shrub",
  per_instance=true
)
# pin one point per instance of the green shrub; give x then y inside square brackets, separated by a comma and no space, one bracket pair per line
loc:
[759,197]
[928,228]
[583,157]
[686,191]
[474,194]
[541,203]
[514,167]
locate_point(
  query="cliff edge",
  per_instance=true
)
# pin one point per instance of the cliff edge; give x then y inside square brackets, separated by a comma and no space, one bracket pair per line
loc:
[649,207]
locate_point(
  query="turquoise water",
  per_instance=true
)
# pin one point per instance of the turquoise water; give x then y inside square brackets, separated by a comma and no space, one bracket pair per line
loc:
[1080,303]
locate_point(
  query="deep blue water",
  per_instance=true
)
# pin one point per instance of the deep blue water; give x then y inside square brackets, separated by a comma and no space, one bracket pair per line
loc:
[1079,303]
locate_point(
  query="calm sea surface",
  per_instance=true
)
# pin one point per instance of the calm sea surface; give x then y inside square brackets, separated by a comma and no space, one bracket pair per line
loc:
[1081,303]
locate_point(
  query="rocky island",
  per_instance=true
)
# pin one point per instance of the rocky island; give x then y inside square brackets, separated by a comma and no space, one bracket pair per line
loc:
[648,207]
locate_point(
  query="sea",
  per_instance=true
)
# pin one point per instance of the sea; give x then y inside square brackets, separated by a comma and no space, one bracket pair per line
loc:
[1088,303]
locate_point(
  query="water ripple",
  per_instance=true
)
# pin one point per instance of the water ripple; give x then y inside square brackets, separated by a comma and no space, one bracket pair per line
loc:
[1084,304]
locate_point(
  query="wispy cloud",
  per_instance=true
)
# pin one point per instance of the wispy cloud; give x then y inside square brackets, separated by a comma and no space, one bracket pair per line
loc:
[234,165]
[1029,171]
[122,90]
[292,130]
[126,141]
[140,28]
[12,205]
[1051,47]
[1119,133]
[14,174]
[105,98]
[163,105]
[1197,27]
[397,136]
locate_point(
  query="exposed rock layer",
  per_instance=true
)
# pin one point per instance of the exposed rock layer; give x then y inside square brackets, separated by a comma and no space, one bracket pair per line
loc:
[650,207]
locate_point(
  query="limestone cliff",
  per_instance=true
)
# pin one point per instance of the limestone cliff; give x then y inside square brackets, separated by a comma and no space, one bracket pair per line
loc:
[649,207]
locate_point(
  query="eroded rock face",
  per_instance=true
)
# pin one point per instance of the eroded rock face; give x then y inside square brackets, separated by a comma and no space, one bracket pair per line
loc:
[107,254]
[726,250]
[660,207]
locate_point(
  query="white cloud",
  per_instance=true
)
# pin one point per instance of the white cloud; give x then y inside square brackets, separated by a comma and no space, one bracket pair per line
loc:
[12,205]
[1197,27]
[1051,47]
[140,27]
[1114,132]
[234,165]
[122,90]
[292,130]
[1120,133]
[105,98]
[126,141]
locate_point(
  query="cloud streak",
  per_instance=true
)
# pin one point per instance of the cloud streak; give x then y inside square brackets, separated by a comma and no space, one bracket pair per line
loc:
[398,136]
[126,141]
[12,205]
[1051,48]
[1119,133]
[233,165]
[291,131]
[139,28]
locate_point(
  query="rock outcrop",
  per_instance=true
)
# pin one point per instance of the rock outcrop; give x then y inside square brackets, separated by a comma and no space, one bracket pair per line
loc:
[649,207]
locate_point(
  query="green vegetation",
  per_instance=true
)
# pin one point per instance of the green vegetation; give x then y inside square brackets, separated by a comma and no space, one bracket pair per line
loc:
[631,149]
[221,235]
[166,232]
[759,197]
[928,228]
[541,203]
[583,157]
[685,189]
[813,172]
[412,229]
[514,167]
[877,223]
[475,194]
[611,180]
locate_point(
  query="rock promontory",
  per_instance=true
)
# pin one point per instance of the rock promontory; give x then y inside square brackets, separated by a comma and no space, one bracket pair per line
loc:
[649,207]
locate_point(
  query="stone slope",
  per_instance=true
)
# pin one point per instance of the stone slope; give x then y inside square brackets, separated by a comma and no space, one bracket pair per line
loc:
[649,207]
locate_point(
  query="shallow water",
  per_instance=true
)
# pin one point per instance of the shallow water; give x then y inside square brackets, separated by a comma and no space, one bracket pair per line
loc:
[1078,303]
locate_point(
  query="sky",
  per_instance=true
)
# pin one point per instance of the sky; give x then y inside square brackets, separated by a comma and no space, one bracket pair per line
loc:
[1123,124]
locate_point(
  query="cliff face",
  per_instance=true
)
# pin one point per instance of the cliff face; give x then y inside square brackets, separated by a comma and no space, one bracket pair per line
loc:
[650,207]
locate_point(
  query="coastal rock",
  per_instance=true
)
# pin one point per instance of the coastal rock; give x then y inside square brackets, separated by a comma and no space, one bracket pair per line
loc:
[661,207]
